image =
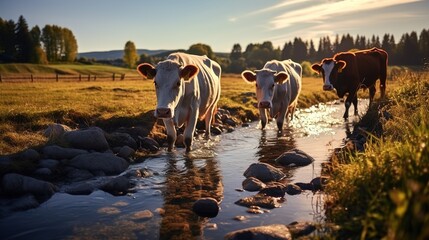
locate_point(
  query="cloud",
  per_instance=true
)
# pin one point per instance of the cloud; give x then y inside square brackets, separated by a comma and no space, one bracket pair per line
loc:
[326,10]
[278,6]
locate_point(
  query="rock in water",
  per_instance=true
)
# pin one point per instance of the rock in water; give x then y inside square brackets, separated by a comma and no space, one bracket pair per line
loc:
[206,207]
[109,163]
[264,172]
[294,157]
[275,231]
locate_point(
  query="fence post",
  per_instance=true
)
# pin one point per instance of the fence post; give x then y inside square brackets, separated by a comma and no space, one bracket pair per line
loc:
[56,77]
[80,77]
[113,76]
[123,76]
[89,77]
[31,76]
[95,77]
[1,79]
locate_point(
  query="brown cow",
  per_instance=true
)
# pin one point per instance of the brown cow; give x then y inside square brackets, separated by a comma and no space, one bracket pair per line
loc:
[346,72]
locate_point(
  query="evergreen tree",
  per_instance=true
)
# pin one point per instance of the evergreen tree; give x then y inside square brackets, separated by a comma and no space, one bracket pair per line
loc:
[24,42]
[7,41]
[299,52]
[424,46]
[287,50]
[311,51]
[130,54]
[346,43]
[336,47]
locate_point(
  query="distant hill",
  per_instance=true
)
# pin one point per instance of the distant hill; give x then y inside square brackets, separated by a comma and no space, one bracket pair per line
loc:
[118,54]
[115,54]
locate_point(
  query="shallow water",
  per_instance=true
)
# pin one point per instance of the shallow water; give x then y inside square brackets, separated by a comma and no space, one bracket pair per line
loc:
[215,169]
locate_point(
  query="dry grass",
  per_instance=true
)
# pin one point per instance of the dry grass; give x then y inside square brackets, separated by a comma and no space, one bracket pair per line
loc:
[27,108]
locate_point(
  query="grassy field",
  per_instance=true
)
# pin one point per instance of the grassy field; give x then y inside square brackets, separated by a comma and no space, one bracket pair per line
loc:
[26,68]
[383,193]
[27,108]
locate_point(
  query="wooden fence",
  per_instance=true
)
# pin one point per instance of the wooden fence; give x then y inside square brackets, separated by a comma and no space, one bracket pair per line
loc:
[66,77]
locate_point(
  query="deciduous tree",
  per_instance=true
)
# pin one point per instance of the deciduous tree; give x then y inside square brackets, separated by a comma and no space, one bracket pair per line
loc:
[130,54]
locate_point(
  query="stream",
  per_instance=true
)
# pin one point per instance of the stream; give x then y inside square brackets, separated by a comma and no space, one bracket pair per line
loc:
[160,207]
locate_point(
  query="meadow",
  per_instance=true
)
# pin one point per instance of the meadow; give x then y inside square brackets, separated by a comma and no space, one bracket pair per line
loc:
[27,108]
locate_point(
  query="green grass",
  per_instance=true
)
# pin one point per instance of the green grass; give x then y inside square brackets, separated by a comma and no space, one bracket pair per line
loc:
[70,69]
[384,192]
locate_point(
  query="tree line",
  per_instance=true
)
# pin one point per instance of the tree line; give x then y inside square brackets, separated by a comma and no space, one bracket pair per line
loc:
[20,44]
[411,50]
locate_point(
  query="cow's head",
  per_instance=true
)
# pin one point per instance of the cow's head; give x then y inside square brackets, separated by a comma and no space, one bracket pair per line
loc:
[266,81]
[329,68]
[169,79]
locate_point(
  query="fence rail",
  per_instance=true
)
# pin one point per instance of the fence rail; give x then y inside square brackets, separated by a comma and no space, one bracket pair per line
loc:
[67,77]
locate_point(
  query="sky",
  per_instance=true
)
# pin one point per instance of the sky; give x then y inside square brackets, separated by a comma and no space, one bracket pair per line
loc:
[103,25]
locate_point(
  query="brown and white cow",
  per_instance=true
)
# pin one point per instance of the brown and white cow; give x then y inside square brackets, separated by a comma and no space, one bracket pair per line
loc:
[346,72]
[187,89]
[278,85]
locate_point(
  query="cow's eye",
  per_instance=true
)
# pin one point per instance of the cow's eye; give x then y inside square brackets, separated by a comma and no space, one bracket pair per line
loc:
[156,85]
[272,86]
[178,83]
[257,86]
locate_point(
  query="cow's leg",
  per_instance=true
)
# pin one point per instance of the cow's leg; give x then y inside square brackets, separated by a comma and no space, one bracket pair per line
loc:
[264,117]
[383,90]
[171,133]
[291,110]
[355,105]
[281,118]
[208,121]
[189,130]
[347,104]
[371,93]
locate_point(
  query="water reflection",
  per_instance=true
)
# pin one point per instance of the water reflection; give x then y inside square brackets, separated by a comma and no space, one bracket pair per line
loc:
[272,144]
[187,180]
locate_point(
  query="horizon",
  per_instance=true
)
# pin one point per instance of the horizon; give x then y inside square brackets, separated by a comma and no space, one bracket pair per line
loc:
[158,26]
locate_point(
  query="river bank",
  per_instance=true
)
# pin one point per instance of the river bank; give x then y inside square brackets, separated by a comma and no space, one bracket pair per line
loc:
[379,183]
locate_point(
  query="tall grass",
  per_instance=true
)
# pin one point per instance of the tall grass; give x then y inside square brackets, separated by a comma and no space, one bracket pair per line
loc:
[384,192]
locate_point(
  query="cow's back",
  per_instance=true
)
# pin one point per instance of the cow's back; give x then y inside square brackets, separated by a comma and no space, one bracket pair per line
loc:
[372,64]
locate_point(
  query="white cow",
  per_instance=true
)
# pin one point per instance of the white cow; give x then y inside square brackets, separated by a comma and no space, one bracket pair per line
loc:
[187,89]
[278,85]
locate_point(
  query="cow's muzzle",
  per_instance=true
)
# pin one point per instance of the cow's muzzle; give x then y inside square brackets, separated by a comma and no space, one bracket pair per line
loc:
[264,104]
[328,87]
[163,113]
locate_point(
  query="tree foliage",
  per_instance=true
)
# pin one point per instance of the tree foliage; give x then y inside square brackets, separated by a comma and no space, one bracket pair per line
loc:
[130,54]
[201,49]
[19,44]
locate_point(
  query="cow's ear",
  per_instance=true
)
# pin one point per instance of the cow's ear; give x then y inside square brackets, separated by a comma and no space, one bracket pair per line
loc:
[317,67]
[341,65]
[146,70]
[188,72]
[248,76]
[281,77]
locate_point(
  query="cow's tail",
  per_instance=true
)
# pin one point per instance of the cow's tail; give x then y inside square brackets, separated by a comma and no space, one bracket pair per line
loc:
[383,72]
